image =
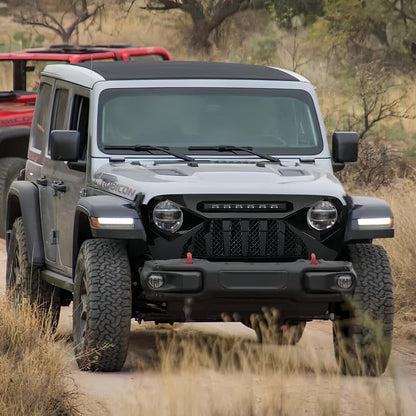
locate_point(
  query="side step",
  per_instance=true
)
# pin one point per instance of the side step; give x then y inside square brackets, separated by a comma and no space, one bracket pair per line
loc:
[58,280]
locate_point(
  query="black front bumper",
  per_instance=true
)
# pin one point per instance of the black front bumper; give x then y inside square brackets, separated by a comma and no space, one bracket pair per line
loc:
[205,290]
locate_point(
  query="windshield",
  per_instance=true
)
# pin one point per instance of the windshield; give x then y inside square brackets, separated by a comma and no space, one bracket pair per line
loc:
[269,120]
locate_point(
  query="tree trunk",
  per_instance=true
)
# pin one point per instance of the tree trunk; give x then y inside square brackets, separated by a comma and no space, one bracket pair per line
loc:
[65,37]
[200,30]
[204,20]
[199,37]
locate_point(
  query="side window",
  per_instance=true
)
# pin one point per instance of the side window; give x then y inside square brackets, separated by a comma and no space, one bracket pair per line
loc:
[79,121]
[59,109]
[41,116]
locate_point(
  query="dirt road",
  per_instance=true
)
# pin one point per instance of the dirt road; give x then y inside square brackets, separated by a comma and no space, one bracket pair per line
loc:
[148,388]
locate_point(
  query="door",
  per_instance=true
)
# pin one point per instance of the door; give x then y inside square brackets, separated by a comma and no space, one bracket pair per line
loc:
[70,181]
[64,181]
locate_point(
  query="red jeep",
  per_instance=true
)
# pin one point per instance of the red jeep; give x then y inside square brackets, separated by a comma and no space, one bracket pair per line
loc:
[20,72]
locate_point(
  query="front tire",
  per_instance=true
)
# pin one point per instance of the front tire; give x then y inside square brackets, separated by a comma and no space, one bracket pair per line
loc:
[102,305]
[363,337]
[23,280]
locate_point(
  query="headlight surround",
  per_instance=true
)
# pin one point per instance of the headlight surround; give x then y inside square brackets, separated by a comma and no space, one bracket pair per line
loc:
[322,215]
[167,216]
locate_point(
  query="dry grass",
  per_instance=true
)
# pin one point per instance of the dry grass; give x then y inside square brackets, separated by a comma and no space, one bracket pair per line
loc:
[33,367]
[210,375]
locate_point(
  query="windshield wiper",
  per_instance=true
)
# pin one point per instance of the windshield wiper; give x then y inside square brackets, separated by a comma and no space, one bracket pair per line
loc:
[149,148]
[248,149]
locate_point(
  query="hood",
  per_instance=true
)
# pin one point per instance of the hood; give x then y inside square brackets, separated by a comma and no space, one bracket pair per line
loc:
[127,180]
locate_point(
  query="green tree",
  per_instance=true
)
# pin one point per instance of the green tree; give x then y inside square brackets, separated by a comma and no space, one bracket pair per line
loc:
[368,30]
[307,10]
[347,26]
[402,24]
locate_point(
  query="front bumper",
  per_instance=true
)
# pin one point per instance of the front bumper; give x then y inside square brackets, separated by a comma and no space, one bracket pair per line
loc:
[299,289]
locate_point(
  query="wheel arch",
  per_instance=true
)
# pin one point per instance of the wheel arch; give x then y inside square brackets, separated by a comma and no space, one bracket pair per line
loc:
[82,232]
[14,141]
[110,207]
[23,201]
[368,208]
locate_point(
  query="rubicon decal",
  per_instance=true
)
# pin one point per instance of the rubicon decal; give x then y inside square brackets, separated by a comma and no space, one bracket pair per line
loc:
[117,188]
[110,183]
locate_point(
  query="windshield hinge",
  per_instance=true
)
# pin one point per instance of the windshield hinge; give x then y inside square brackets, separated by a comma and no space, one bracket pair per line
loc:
[306,160]
[137,202]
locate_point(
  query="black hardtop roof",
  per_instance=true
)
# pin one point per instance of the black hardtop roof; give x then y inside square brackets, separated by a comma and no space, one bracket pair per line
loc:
[185,70]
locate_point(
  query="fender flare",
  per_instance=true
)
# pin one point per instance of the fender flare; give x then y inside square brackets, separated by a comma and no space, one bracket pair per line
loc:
[23,200]
[364,207]
[108,206]
[14,141]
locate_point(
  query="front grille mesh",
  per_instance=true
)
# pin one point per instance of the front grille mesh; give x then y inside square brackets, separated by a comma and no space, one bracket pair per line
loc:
[245,238]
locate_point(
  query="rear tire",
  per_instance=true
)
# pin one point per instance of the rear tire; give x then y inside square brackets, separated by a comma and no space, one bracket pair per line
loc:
[363,338]
[10,168]
[102,305]
[23,280]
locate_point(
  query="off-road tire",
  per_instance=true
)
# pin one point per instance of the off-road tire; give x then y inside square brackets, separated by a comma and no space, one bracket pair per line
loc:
[10,168]
[102,305]
[24,282]
[270,330]
[362,340]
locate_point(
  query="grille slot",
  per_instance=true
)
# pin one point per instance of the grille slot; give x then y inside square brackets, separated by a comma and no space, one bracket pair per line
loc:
[245,238]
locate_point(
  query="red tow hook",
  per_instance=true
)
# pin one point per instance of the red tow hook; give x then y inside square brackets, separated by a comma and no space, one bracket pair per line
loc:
[188,258]
[313,259]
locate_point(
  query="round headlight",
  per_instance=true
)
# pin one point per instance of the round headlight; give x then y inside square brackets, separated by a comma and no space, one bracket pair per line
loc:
[322,215]
[167,216]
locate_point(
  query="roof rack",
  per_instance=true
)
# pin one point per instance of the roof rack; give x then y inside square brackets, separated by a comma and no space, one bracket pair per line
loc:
[101,45]
[79,49]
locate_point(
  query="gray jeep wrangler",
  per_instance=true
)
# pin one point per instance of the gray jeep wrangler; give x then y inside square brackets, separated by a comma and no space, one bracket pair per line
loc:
[178,191]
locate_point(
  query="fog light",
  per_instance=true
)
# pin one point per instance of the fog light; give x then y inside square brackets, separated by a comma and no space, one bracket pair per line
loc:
[155,281]
[344,281]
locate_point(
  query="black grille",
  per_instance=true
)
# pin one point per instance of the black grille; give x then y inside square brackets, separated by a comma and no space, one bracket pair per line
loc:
[245,238]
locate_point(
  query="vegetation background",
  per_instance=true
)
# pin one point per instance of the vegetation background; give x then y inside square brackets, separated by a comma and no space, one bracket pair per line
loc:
[361,57]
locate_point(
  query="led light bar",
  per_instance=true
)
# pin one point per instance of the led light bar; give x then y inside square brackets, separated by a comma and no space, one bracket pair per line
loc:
[386,222]
[108,222]
[245,206]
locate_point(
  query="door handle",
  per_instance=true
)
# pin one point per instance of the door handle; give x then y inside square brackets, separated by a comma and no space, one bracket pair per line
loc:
[58,186]
[42,181]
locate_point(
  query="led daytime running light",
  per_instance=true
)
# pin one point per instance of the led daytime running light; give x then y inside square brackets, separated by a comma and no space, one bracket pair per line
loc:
[376,222]
[108,222]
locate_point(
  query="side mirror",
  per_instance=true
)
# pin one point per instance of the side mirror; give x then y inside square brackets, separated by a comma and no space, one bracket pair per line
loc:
[344,148]
[65,145]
